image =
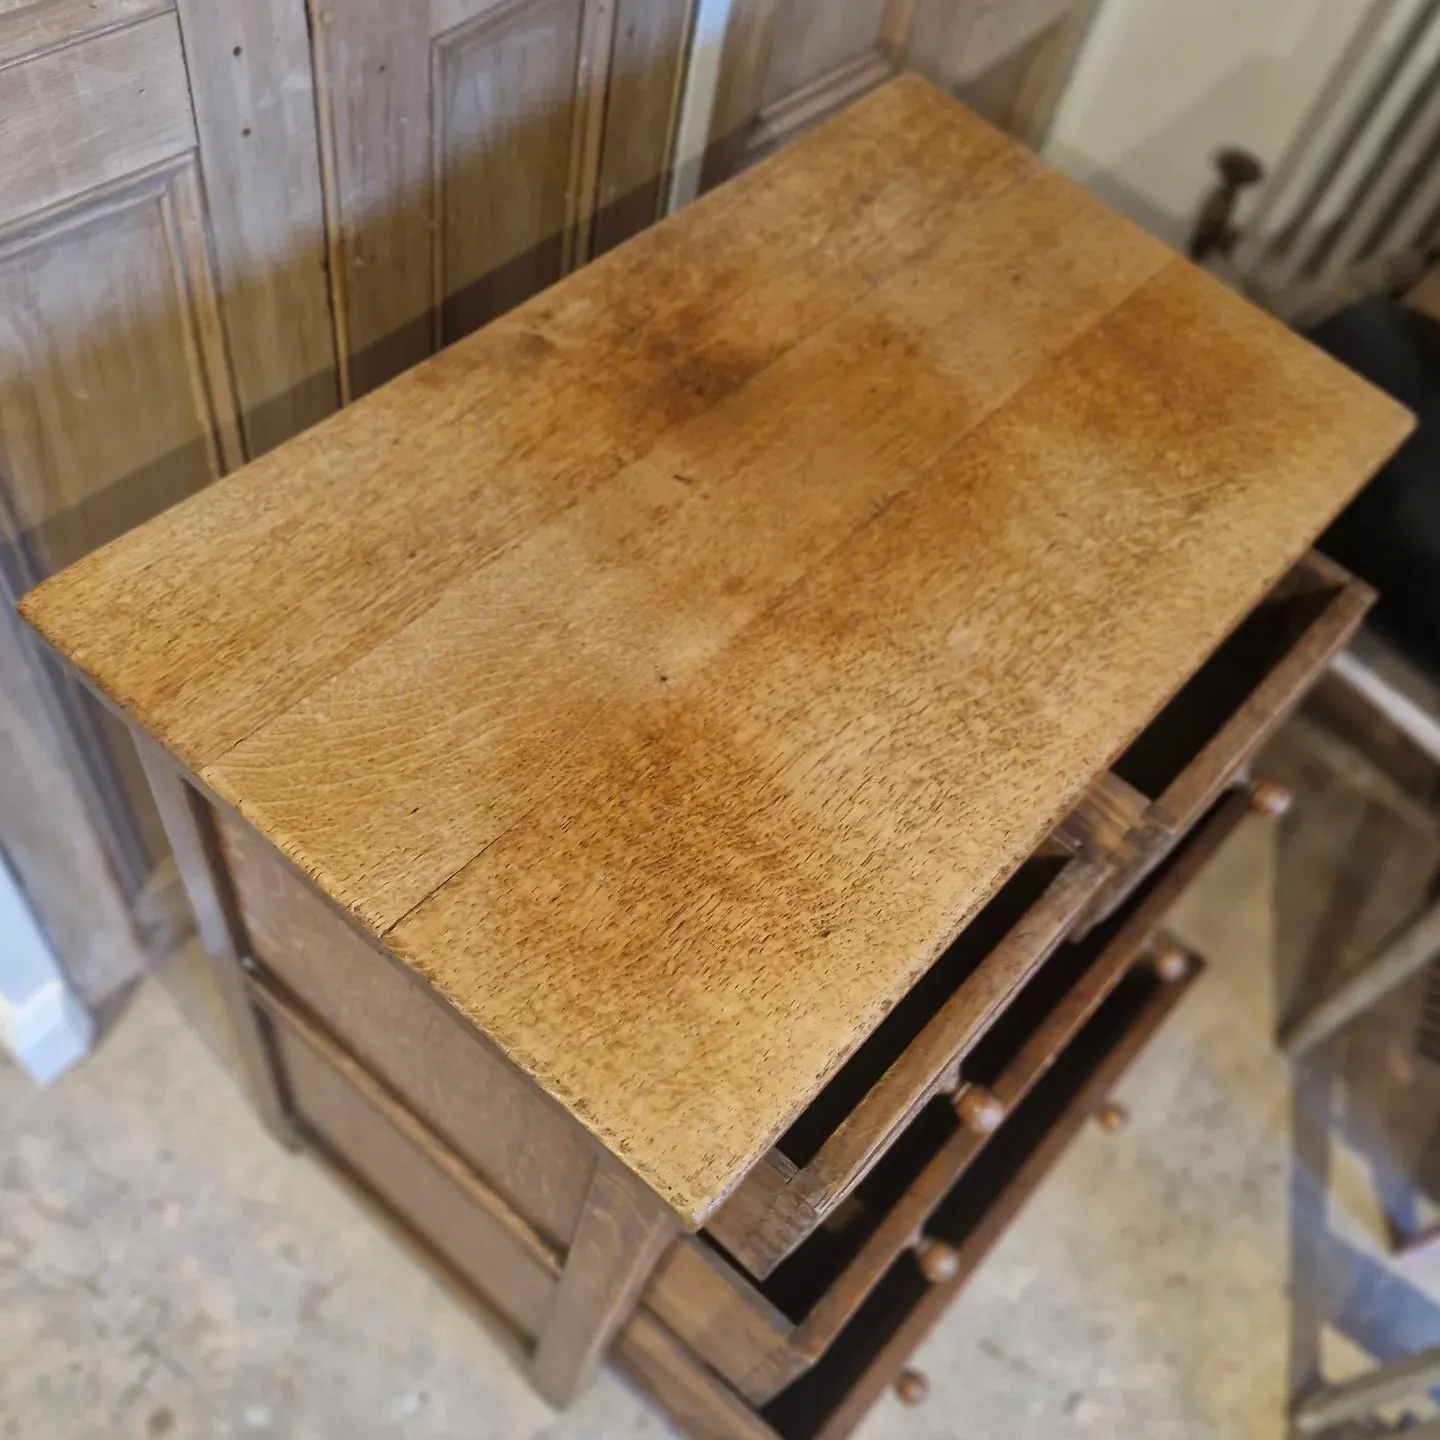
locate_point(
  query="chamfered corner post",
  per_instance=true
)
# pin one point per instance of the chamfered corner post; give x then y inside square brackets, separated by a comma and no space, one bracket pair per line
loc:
[190,828]
[623,1231]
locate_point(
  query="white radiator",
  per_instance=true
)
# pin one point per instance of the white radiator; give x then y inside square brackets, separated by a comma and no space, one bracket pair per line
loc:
[1362,183]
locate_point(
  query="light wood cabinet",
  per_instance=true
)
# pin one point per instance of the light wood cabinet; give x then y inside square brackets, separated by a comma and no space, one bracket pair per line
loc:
[630,761]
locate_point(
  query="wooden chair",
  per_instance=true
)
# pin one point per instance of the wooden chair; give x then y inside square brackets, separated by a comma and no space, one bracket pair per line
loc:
[1408,701]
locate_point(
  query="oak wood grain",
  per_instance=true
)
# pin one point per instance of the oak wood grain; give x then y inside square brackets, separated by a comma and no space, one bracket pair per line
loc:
[1026,1068]
[928,1063]
[815,763]
[668,671]
[774,1209]
[1121,837]
[640,585]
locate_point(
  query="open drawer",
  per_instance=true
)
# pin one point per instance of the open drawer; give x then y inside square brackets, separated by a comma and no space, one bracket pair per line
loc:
[832,1397]
[910,1057]
[762,1336]
[1202,742]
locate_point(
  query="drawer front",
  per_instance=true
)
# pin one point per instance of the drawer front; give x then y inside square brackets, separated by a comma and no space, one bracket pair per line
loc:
[1205,738]
[761,1336]
[431,1192]
[474,1099]
[700,1405]
[911,1056]
[716,1311]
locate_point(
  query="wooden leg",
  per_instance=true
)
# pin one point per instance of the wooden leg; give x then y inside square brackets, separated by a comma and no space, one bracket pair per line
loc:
[622,1233]
[1414,947]
[190,828]
[1360,1398]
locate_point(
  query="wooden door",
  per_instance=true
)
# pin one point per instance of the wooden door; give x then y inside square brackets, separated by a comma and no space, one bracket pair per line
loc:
[787,64]
[217,222]
[163,315]
[476,150]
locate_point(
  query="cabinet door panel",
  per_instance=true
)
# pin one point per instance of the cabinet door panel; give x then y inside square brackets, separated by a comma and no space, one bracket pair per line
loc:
[450,138]
[131,277]
[505,140]
[111,364]
[463,144]
[810,42]
[787,64]
[641,103]
[31,27]
[254,101]
[126,85]
[115,395]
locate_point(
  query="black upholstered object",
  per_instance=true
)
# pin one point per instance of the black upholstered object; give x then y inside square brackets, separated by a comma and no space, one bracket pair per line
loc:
[1390,534]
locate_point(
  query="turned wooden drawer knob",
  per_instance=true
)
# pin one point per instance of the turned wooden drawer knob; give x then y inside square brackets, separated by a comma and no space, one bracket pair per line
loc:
[912,1388]
[1170,963]
[1113,1117]
[980,1110]
[938,1261]
[1269,797]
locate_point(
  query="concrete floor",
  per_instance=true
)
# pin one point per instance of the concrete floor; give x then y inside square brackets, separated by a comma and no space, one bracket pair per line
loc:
[165,1270]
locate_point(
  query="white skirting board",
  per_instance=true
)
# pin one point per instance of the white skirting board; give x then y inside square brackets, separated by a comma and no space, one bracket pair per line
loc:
[42,1024]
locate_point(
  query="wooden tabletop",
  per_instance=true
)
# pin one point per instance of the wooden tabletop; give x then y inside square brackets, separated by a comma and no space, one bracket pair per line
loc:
[668,670]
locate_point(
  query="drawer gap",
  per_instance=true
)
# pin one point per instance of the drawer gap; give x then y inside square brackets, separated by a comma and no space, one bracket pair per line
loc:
[797,1283]
[994,1167]
[889,1040]
[992,1054]
[1221,686]
[801,1410]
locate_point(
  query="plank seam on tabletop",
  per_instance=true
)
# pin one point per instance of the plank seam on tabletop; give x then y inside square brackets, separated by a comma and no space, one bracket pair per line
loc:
[762,614]
[923,476]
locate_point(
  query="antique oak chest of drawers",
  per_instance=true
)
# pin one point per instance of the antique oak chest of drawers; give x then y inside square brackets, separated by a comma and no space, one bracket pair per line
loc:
[683,789]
